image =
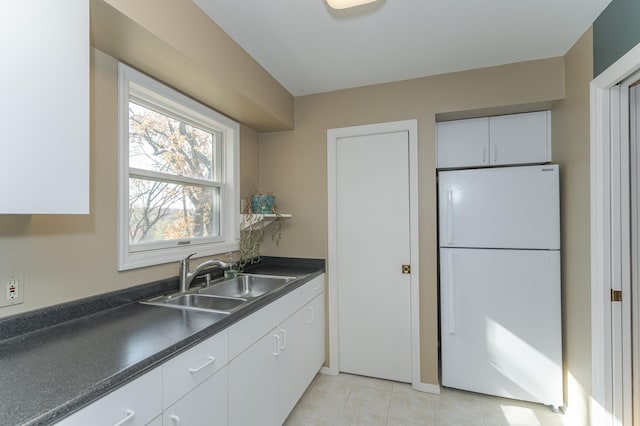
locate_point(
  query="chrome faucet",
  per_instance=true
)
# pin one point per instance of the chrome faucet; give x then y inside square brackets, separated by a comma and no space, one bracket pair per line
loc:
[186,277]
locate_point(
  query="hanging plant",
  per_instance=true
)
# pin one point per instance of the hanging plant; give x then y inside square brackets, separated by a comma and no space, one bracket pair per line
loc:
[253,229]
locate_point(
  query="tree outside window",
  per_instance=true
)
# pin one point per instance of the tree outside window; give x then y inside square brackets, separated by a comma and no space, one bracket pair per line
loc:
[160,208]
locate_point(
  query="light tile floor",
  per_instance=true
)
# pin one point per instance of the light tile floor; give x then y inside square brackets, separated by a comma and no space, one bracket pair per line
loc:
[356,400]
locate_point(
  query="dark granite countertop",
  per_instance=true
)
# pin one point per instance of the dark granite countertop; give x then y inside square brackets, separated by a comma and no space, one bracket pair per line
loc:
[58,359]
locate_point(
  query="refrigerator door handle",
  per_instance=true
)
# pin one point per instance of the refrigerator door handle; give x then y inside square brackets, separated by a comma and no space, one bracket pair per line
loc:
[450,216]
[451,320]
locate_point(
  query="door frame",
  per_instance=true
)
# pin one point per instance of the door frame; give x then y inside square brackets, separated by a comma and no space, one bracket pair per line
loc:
[634,136]
[333,136]
[610,233]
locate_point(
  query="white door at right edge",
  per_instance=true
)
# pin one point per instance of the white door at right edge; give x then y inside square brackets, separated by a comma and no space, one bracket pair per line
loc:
[373,244]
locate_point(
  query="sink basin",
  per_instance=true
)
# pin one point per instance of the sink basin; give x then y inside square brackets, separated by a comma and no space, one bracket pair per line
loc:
[247,286]
[224,297]
[198,302]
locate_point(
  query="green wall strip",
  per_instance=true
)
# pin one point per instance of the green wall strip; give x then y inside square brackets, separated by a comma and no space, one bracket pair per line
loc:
[615,32]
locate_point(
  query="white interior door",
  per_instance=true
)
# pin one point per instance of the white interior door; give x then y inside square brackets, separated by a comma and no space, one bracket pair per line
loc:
[373,242]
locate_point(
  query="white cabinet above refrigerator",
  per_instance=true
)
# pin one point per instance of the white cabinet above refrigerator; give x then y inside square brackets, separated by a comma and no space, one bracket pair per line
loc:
[506,207]
[495,141]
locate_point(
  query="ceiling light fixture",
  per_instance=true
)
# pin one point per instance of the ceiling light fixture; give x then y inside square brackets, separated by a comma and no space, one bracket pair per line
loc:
[345,4]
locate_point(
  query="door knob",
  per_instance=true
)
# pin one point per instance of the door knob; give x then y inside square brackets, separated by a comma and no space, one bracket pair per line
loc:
[406,269]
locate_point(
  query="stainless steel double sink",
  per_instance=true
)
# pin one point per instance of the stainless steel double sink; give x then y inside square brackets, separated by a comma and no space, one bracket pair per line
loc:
[225,295]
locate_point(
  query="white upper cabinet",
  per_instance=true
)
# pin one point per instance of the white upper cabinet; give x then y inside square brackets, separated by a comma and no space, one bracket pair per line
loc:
[493,141]
[520,138]
[44,110]
[463,143]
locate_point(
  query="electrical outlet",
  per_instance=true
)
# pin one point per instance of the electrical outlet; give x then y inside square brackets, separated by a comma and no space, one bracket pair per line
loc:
[13,287]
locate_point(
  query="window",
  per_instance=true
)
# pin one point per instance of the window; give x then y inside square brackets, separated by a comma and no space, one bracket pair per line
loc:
[178,175]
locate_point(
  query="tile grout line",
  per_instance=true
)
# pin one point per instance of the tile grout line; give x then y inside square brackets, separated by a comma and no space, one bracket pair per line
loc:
[389,405]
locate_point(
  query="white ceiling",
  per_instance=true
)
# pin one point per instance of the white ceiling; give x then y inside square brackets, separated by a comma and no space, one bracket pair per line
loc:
[310,48]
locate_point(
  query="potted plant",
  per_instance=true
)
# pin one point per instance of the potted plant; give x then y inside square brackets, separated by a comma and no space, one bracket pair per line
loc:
[252,230]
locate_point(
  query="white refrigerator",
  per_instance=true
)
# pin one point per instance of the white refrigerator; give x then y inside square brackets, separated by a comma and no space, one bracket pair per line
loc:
[499,236]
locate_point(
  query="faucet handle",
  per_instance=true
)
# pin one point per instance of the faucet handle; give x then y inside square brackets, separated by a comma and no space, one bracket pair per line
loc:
[184,263]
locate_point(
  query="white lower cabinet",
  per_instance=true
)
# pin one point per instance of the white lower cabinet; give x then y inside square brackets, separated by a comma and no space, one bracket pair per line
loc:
[186,371]
[135,404]
[273,373]
[260,385]
[252,378]
[207,404]
[301,354]
[195,385]
[156,422]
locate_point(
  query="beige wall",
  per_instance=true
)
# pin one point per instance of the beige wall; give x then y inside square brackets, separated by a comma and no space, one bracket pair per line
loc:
[180,45]
[571,150]
[250,162]
[67,257]
[293,164]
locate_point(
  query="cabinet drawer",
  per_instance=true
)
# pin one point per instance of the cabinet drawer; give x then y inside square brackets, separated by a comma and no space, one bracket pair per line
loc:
[249,330]
[189,369]
[134,404]
[207,404]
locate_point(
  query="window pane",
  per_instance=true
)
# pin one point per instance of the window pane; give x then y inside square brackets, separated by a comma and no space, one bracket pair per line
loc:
[167,145]
[162,211]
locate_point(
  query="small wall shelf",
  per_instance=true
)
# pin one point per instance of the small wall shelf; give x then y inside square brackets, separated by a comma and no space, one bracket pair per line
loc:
[247,220]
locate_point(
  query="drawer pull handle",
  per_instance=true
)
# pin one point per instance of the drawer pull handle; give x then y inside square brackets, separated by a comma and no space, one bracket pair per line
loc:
[175,419]
[211,360]
[129,414]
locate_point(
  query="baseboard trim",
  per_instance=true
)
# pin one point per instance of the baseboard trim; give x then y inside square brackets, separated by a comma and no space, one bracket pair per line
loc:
[427,388]
[420,387]
[327,371]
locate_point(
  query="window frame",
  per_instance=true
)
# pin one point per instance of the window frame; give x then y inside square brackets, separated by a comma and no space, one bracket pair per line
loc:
[150,93]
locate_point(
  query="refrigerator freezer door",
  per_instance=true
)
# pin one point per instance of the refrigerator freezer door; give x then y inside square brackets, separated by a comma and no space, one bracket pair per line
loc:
[507,207]
[500,323]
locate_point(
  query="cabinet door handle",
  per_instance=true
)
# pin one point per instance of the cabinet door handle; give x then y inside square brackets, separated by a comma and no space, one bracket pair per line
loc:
[283,342]
[209,361]
[129,414]
[484,154]
[495,153]
[175,419]
[276,341]
[312,315]
[450,216]
[451,294]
